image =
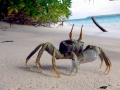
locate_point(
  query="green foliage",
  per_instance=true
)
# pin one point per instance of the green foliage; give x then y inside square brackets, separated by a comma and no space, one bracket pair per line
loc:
[41,10]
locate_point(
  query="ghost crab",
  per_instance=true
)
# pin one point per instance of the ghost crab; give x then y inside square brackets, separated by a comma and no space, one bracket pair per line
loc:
[71,49]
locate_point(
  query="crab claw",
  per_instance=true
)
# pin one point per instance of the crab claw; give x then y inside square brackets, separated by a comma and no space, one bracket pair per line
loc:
[104,57]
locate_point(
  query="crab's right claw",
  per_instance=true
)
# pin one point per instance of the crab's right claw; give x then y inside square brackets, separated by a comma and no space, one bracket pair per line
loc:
[104,57]
[108,64]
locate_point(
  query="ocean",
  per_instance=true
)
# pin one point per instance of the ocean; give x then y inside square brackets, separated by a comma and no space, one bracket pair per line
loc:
[111,23]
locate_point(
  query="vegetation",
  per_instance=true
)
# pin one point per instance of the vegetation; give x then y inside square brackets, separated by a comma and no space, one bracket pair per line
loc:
[29,11]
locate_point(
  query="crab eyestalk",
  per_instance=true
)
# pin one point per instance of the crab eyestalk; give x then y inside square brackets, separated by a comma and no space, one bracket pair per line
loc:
[70,34]
[80,37]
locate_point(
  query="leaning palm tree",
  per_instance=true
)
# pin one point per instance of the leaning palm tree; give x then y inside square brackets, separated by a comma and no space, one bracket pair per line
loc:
[96,23]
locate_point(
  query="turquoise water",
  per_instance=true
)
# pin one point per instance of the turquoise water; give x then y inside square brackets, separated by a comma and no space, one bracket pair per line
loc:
[111,23]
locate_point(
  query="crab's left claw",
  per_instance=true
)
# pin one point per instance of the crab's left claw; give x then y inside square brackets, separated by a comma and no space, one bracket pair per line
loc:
[104,57]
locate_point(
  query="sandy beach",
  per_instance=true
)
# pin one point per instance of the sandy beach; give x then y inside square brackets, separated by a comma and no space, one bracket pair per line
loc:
[15,76]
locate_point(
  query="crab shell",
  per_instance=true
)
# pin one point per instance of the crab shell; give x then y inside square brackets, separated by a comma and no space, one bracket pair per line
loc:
[72,45]
[67,46]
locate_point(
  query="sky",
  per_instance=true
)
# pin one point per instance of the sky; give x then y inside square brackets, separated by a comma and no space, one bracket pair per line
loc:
[84,8]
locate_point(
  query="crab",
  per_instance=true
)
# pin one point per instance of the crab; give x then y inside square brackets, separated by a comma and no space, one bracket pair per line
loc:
[71,49]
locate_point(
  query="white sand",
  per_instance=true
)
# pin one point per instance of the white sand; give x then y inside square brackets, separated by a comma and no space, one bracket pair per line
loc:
[14,75]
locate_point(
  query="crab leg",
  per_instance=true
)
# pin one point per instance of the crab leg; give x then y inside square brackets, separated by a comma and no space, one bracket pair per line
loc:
[39,56]
[54,64]
[74,63]
[101,58]
[53,52]
[31,54]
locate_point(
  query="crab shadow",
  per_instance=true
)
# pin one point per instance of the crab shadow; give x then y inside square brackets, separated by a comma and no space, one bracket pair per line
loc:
[47,70]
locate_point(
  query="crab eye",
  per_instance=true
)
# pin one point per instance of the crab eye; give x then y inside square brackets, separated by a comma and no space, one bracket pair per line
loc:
[80,37]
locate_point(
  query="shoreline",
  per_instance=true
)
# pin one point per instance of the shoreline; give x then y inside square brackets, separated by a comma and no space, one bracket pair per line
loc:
[93,31]
[15,76]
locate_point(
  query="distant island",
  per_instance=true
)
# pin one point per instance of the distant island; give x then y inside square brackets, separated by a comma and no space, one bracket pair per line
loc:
[104,15]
